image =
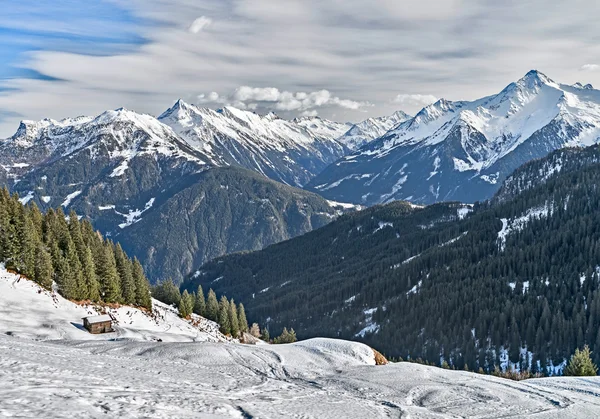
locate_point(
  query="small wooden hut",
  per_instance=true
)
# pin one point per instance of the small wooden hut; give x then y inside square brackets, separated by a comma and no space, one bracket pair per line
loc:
[98,324]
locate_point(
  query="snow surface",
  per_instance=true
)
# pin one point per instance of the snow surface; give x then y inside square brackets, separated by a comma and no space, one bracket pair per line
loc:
[70,197]
[72,374]
[28,311]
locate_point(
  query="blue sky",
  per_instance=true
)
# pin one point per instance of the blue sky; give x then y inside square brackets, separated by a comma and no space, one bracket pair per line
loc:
[341,59]
[82,27]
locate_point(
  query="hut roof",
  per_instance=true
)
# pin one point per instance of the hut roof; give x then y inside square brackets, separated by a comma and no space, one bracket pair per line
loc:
[98,319]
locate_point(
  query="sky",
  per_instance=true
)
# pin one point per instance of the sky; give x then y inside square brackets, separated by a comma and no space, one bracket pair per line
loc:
[345,60]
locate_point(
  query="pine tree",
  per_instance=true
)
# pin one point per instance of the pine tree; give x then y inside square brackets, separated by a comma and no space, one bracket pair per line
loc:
[234,326]
[142,289]
[242,321]
[186,304]
[124,269]
[581,364]
[199,303]
[212,306]
[89,276]
[43,267]
[108,277]
[224,324]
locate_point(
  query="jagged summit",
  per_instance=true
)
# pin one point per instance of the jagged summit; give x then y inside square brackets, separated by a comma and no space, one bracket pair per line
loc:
[462,149]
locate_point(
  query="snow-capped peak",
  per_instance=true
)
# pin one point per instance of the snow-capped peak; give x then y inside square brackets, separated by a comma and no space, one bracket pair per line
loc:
[535,78]
[366,131]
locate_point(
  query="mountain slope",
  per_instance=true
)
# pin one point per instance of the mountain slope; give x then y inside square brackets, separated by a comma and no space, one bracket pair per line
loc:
[149,379]
[521,271]
[224,210]
[287,151]
[366,131]
[29,311]
[464,150]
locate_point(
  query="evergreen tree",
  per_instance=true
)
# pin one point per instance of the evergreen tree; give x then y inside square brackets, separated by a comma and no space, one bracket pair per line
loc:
[199,303]
[581,364]
[234,326]
[167,292]
[242,321]
[225,326]
[43,267]
[286,336]
[89,275]
[108,277]
[186,304]
[212,306]
[142,289]
[125,269]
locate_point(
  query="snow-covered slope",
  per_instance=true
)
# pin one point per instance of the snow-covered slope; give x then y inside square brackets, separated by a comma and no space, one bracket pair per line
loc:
[29,311]
[319,378]
[323,128]
[118,136]
[288,151]
[366,131]
[464,150]
[52,368]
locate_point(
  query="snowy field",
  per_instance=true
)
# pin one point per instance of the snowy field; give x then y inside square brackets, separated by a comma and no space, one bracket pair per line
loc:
[50,368]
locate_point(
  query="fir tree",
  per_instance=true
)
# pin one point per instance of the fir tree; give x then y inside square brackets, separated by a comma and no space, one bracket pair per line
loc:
[124,269]
[108,277]
[186,304]
[234,326]
[581,364]
[225,326]
[142,289]
[200,303]
[212,306]
[43,267]
[242,321]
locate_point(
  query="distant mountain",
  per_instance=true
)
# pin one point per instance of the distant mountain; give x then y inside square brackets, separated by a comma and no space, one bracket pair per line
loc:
[224,210]
[368,130]
[120,167]
[291,152]
[464,150]
[513,280]
[323,128]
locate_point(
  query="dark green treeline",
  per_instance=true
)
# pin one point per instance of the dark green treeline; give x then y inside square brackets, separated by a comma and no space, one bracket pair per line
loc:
[51,247]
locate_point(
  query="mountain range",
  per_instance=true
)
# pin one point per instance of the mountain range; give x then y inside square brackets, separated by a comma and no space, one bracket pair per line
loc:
[120,167]
[193,175]
[464,150]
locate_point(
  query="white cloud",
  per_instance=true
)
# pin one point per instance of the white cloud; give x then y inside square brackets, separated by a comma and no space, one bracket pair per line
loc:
[269,98]
[590,67]
[414,100]
[263,94]
[200,24]
[212,97]
[309,113]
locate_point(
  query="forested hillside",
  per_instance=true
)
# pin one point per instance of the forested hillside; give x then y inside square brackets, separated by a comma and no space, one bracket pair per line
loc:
[223,210]
[51,248]
[477,288]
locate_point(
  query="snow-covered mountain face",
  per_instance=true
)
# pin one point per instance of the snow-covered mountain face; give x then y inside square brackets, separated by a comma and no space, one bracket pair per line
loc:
[112,138]
[291,152]
[464,150]
[366,131]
